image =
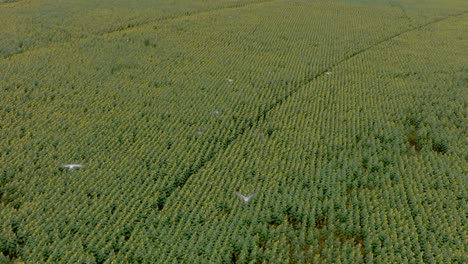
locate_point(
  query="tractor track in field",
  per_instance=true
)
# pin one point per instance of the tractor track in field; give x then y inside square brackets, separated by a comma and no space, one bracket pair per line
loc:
[264,113]
[139,24]
[411,29]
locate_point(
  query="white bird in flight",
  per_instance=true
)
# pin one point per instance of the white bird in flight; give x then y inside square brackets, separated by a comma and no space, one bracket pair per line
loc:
[72,166]
[245,198]
[200,131]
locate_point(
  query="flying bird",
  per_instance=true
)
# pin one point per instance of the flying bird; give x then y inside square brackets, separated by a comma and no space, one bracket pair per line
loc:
[72,166]
[245,198]
[201,131]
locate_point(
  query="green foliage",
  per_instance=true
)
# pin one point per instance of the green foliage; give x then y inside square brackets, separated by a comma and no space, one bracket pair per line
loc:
[350,134]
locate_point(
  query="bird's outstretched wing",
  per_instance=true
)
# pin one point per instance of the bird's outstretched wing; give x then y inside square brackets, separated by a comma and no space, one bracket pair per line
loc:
[71,166]
[245,198]
[241,196]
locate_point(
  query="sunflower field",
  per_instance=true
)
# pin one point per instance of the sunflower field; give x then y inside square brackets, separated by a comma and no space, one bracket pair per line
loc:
[346,120]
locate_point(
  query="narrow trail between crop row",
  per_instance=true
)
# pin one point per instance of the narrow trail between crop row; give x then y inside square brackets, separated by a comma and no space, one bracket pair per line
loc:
[141,24]
[264,113]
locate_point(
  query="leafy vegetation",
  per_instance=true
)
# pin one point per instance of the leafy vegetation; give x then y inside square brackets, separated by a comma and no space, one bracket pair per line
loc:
[347,119]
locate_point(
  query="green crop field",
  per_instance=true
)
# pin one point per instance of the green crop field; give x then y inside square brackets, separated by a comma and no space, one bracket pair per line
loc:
[347,120]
